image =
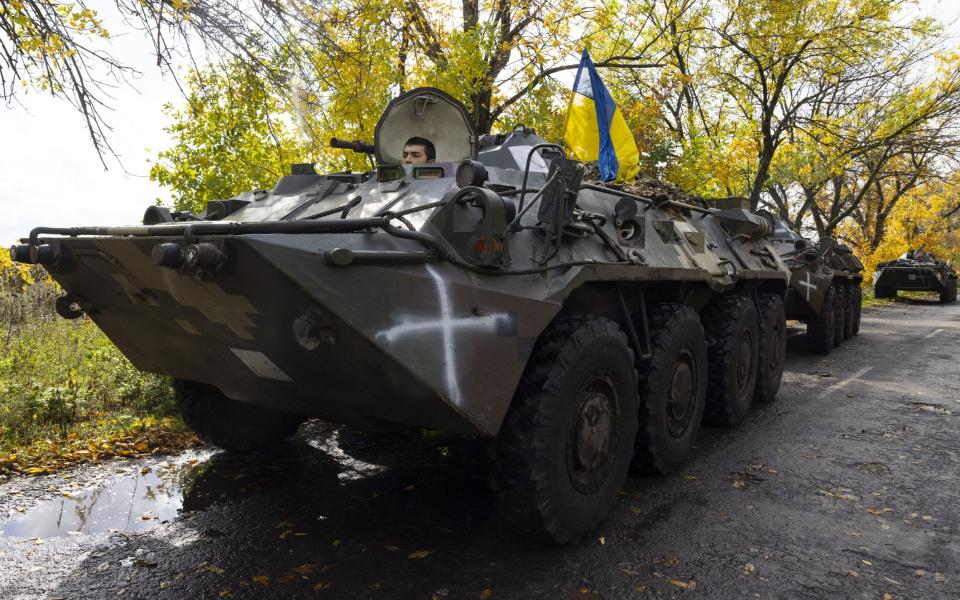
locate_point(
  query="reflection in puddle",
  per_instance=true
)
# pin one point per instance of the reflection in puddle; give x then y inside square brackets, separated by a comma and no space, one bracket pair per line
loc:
[142,497]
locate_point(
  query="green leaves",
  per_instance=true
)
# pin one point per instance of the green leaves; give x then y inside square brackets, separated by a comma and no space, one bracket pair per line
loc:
[231,137]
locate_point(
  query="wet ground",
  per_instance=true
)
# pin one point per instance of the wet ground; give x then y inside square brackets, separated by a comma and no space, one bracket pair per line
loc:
[845,487]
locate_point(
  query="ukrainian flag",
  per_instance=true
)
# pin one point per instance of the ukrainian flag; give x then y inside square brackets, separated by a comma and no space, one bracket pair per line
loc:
[596,129]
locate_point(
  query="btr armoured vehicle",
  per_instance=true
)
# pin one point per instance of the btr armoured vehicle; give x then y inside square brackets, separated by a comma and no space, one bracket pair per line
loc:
[824,287]
[493,292]
[915,271]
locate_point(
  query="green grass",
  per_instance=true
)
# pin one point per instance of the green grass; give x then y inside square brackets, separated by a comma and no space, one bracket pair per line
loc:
[870,300]
[63,382]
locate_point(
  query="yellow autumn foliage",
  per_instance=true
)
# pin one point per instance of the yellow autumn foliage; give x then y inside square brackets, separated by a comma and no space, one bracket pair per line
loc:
[924,219]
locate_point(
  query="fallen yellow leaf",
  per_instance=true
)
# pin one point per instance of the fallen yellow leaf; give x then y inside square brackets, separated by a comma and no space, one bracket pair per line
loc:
[261,579]
[486,593]
[420,554]
[749,569]
[321,585]
[305,569]
[686,585]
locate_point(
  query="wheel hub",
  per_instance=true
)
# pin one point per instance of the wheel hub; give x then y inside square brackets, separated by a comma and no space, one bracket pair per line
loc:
[681,395]
[594,436]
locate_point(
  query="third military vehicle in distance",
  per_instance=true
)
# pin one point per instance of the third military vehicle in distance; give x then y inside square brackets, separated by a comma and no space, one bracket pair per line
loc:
[493,292]
[915,271]
[824,287]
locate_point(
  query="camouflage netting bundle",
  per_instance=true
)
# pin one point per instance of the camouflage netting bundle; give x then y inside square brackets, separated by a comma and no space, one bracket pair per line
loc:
[646,186]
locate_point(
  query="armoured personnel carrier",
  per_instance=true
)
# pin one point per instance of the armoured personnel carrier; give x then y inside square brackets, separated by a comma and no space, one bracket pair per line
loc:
[493,292]
[915,271]
[824,290]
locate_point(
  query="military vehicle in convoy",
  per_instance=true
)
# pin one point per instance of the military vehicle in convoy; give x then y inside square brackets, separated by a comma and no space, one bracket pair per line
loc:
[493,292]
[915,271]
[824,287]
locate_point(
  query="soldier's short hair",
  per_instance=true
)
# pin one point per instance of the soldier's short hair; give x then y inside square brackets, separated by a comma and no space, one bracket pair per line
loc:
[427,145]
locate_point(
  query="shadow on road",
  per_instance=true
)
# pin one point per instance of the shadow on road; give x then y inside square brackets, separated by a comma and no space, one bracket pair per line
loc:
[351,514]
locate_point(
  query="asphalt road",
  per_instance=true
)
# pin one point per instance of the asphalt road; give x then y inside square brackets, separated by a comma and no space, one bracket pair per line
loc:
[845,487]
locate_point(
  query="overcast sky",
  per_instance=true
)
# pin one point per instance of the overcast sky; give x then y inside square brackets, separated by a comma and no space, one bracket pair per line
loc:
[50,174]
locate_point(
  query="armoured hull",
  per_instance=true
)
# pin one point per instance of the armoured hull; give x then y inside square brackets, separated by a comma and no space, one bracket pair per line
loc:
[917,279]
[278,326]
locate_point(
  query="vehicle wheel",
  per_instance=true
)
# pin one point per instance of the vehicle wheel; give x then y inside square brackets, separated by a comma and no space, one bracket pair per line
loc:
[229,424]
[884,293]
[564,449]
[773,347]
[857,308]
[673,388]
[733,341]
[839,312]
[821,328]
[949,292]
[849,311]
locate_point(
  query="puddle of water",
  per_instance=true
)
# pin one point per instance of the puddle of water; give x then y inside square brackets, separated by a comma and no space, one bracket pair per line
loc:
[127,502]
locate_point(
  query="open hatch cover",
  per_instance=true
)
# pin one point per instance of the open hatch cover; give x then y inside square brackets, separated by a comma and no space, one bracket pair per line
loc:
[427,113]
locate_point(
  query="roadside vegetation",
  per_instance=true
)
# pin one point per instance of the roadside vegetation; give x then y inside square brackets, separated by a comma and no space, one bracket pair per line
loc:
[67,394]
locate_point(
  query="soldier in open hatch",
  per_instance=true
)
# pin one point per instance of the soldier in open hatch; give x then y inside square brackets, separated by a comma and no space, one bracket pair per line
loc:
[418,150]
[497,292]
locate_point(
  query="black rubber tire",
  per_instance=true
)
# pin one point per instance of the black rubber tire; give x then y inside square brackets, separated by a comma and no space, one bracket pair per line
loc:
[773,347]
[678,342]
[229,424]
[732,327]
[949,292]
[883,293]
[857,306]
[849,317]
[536,455]
[839,311]
[821,329]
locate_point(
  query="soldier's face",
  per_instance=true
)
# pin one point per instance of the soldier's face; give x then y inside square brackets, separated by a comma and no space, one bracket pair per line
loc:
[414,154]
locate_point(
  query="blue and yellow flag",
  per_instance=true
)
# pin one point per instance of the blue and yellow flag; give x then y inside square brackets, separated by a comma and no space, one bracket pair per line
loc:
[596,129]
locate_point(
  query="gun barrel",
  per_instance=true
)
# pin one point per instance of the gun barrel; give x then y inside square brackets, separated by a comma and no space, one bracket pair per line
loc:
[356,145]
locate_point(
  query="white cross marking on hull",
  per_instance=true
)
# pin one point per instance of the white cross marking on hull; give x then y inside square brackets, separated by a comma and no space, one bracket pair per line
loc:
[807,286]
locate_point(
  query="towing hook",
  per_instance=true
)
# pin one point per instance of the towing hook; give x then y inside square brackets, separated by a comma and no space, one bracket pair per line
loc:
[71,306]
